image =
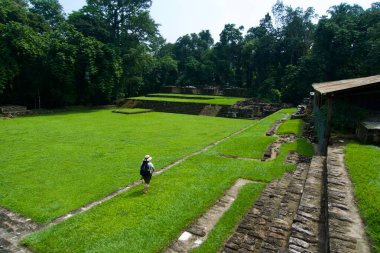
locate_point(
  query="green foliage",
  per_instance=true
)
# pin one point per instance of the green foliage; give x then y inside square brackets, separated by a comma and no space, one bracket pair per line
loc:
[347,116]
[53,164]
[193,52]
[51,10]
[113,50]
[363,164]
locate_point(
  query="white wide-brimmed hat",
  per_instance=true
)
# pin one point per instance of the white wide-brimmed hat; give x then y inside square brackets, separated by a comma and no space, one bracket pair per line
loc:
[147,158]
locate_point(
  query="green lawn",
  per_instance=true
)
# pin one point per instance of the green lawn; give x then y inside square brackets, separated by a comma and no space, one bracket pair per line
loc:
[253,142]
[293,126]
[203,99]
[363,163]
[53,164]
[133,222]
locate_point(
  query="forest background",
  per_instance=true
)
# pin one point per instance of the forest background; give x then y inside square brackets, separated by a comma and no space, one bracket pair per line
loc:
[112,49]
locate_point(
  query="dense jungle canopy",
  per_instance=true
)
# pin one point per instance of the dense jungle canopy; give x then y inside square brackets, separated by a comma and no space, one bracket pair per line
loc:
[112,49]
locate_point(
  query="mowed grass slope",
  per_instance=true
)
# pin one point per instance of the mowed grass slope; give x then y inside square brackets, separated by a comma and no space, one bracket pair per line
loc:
[53,164]
[293,126]
[253,142]
[203,99]
[363,162]
[133,222]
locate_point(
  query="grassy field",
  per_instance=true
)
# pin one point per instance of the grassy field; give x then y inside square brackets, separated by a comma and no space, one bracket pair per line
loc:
[363,163]
[53,164]
[133,222]
[293,126]
[186,98]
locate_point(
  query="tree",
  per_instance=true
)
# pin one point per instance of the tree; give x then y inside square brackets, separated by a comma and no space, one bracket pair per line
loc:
[260,48]
[228,55]
[193,53]
[51,10]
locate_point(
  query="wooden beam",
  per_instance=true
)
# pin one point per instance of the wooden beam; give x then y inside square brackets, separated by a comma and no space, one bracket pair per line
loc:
[328,124]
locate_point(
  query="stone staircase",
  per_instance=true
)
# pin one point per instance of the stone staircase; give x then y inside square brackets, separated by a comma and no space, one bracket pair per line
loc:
[309,210]
[345,227]
[308,224]
[13,227]
[268,225]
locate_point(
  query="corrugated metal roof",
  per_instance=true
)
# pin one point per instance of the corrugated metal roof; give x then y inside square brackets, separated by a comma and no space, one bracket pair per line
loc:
[329,87]
[371,125]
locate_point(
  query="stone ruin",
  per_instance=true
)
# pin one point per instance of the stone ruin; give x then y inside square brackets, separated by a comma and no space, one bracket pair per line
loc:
[249,109]
[303,109]
[12,111]
[254,109]
[206,90]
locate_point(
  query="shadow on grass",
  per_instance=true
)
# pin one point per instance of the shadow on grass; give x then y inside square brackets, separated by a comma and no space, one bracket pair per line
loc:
[136,194]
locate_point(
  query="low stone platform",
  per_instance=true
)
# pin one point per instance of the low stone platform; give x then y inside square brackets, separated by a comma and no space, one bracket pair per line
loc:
[346,229]
[307,228]
[258,111]
[177,107]
[13,110]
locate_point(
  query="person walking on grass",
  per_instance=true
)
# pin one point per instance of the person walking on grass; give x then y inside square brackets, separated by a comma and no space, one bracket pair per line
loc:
[146,171]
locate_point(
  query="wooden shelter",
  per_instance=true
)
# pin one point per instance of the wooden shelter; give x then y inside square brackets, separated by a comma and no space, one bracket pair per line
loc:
[363,92]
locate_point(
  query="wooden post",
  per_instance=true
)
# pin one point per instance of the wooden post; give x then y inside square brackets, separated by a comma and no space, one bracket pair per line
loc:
[328,124]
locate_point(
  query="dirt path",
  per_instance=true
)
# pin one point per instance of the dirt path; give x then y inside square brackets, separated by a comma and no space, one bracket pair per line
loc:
[198,232]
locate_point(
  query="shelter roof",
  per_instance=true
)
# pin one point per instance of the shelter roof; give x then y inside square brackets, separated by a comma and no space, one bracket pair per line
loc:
[371,125]
[335,86]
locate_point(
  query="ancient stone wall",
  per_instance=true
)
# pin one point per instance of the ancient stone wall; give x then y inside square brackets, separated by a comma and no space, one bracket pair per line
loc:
[255,112]
[214,91]
[178,107]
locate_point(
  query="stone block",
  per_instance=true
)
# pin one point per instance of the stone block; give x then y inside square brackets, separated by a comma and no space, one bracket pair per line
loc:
[299,242]
[232,245]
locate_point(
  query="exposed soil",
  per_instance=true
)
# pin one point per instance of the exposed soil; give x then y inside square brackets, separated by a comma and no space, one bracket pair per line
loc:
[273,149]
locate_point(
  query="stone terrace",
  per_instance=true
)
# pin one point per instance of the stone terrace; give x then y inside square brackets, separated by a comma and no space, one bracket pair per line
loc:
[309,210]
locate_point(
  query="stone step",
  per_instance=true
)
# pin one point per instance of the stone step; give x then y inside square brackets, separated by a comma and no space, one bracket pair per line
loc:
[307,225]
[12,228]
[279,230]
[254,228]
[346,229]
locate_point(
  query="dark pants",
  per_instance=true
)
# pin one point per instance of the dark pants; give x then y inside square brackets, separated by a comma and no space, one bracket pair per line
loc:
[147,178]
